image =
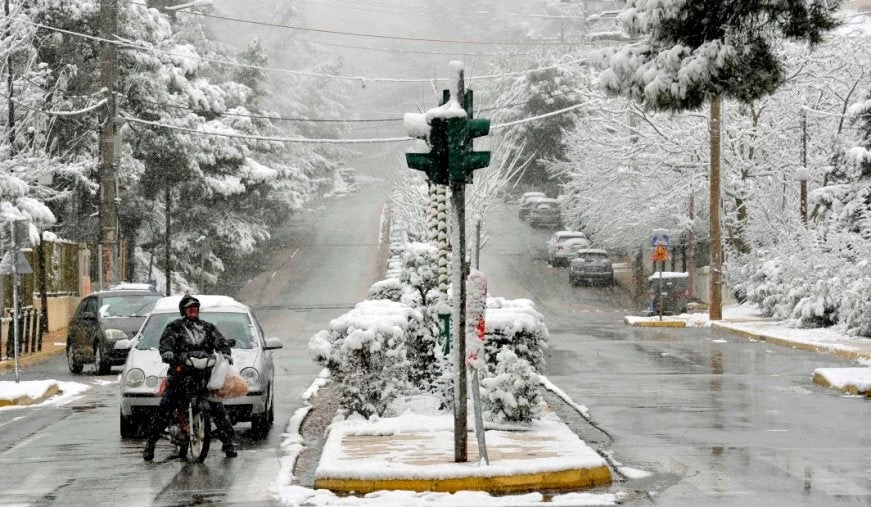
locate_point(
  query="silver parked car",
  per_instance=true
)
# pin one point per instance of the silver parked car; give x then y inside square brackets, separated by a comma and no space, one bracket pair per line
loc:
[252,358]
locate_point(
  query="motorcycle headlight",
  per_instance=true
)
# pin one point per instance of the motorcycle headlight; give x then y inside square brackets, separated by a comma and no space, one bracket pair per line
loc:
[134,378]
[114,335]
[251,376]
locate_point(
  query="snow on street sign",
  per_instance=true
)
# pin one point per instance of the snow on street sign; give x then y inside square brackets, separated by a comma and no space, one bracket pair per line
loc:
[21,264]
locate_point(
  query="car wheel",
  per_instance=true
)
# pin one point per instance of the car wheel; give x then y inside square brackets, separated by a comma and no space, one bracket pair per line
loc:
[74,366]
[261,423]
[101,363]
[129,427]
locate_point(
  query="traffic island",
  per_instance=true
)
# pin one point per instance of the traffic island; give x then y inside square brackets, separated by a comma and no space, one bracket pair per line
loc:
[26,393]
[416,453]
[856,381]
[653,322]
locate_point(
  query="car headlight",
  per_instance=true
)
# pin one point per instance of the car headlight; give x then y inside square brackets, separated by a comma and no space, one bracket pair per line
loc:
[134,378]
[251,376]
[114,335]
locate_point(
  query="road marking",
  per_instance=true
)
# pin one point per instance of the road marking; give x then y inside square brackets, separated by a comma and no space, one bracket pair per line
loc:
[12,421]
[294,253]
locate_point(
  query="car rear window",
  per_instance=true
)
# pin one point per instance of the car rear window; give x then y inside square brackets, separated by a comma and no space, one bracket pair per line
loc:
[593,257]
[232,325]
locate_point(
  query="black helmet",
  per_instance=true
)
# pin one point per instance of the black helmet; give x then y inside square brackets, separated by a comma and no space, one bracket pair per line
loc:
[186,302]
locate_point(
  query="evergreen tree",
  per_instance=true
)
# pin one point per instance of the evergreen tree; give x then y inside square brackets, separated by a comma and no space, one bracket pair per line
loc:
[696,50]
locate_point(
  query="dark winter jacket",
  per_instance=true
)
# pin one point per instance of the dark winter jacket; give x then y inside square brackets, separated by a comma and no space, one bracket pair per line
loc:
[185,335]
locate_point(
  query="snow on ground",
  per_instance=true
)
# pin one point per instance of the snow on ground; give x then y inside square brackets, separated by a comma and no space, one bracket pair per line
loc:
[67,391]
[287,493]
[841,378]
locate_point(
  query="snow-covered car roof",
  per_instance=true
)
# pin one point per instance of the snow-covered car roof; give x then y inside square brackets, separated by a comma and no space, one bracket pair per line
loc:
[592,251]
[545,200]
[213,303]
[568,234]
[574,241]
[125,286]
[668,274]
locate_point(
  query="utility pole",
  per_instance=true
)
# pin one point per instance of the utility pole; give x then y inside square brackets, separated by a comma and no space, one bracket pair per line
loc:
[108,132]
[10,104]
[803,172]
[715,311]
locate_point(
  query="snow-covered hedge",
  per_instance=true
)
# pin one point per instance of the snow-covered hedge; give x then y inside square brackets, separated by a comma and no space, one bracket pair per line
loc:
[819,281]
[515,323]
[365,351]
[509,393]
[389,289]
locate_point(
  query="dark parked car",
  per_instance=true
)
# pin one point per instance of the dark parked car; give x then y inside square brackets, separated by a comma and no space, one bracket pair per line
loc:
[591,266]
[545,213]
[526,202]
[102,319]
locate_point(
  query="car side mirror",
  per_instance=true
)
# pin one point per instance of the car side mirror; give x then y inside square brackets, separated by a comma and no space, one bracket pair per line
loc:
[232,342]
[89,316]
[274,343]
[123,344]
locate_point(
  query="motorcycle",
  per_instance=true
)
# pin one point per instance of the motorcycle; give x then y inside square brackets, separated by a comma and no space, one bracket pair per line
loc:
[190,430]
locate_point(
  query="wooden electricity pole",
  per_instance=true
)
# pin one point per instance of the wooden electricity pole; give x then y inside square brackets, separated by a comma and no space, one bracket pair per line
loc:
[715,311]
[108,175]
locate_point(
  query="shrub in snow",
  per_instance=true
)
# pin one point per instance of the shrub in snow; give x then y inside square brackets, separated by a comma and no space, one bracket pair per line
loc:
[515,324]
[419,279]
[389,289]
[509,391]
[365,351]
[818,279]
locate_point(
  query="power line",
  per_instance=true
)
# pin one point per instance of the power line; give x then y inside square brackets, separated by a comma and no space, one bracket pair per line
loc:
[362,79]
[377,36]
[303,140]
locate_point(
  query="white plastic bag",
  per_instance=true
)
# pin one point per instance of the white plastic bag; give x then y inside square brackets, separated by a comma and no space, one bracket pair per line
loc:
[219,372]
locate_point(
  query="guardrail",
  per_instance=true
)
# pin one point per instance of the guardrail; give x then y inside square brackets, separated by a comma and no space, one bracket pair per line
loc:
[29,332]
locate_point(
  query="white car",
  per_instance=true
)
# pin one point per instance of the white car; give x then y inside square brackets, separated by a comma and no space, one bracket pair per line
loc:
[559,252]
[252,358]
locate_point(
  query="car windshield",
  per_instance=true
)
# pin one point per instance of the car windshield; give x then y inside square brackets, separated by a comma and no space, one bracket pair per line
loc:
[233,325]
[127,305]
[593,257]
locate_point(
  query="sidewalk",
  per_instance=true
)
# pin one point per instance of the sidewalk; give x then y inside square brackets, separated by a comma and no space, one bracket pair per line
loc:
[415,452]
[53,343]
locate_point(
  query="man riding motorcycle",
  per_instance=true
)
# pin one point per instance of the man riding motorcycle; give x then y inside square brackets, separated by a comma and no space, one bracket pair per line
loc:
[181,337]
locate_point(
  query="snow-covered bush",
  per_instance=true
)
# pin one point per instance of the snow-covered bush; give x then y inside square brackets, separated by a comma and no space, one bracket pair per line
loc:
[365,351]
[419,279]
[518,325]
[389,289]
[509,392]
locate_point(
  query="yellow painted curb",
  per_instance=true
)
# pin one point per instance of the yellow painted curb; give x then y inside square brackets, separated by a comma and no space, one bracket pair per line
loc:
[848,389]
[660,323]
[562,480]
[796,345]
[27,400]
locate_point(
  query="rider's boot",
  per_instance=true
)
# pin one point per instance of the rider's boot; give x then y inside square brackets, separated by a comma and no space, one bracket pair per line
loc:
[148,452]
[229,450]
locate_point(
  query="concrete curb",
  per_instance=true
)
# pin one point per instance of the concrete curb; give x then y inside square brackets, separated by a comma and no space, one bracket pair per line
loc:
[573,479]
[657,323]
[27,400]
[847,389]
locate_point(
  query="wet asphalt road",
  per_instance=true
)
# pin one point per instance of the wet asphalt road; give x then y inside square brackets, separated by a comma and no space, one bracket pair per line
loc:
[715,419]
[324,262]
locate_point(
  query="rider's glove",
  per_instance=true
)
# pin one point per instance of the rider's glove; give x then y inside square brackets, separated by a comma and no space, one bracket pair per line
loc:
[228,358]
[167,356]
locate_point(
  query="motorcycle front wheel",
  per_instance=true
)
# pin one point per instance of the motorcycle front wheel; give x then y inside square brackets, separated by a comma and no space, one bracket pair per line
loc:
[199,435]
